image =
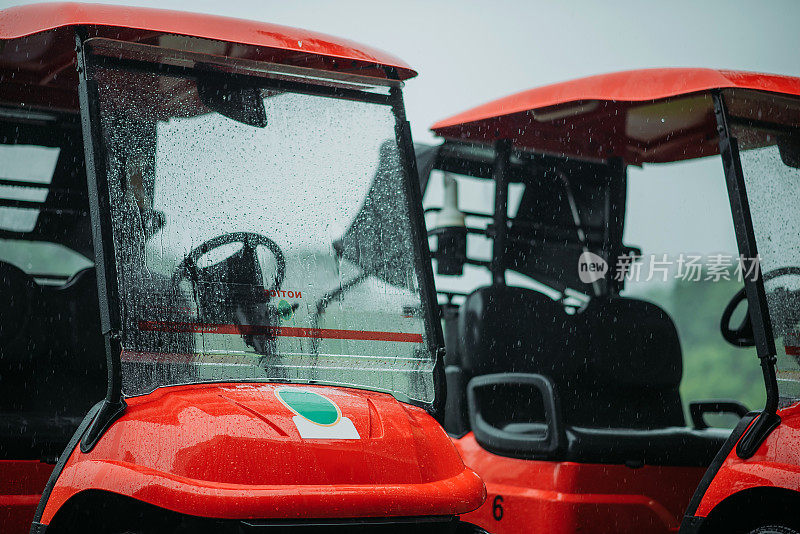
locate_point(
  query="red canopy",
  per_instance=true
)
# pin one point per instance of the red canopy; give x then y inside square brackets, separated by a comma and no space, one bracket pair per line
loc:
[642,116]
[37,46]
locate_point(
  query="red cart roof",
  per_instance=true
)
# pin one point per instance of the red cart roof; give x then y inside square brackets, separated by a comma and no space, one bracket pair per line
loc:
[643,116]
[37,44]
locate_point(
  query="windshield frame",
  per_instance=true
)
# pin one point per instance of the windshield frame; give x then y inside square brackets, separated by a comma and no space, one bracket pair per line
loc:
[320,85]
[743,225]
[753,285]
[773,126]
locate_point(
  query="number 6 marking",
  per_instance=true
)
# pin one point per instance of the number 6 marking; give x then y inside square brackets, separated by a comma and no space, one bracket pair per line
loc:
[497,508]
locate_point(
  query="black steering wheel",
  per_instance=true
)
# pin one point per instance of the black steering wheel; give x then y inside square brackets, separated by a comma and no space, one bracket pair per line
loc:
[188,267]
[16,310]
[742,336]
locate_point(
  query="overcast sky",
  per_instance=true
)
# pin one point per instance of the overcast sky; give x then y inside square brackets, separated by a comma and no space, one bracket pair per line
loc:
[469,52]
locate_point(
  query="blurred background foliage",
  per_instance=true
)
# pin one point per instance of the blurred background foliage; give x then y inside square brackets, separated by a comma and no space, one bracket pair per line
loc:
[712,368]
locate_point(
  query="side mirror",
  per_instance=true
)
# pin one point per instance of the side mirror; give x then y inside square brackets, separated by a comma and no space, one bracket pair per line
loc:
[515,413]
[238,102]
[789,148]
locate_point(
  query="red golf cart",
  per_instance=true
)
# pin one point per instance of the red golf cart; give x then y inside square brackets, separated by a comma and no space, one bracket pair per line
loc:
[217,308]
[564,370]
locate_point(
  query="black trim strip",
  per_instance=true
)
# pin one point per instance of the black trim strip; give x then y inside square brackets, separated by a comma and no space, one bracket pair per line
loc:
[360,521]
[105,261]
[174,71]
[20,183]
[41,206]
[692,525]
[743,225]
[99,202]
[422,253]
[754,288]
[185,56]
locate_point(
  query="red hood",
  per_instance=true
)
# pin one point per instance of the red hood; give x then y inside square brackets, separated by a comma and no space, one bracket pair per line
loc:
[198,449]
[179,429]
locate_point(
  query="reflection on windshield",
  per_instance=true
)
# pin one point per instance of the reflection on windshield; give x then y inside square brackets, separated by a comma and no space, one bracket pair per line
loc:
[258,253]
[772,190]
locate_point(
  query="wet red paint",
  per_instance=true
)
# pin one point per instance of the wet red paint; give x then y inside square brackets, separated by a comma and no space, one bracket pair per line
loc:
[233,451]
[568,497]
[776,464]
[589,117]
[37,46]
[21,21]
[21,486]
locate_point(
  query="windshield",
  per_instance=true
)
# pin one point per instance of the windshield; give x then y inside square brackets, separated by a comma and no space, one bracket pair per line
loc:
[768,153]
[258,243]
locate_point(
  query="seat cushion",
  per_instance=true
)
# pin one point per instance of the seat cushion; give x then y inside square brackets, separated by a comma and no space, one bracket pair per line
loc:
[674,446]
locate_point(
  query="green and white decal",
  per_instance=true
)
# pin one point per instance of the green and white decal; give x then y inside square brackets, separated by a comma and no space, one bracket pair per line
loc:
[317,417]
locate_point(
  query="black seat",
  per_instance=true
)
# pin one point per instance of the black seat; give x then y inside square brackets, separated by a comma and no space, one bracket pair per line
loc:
[632,367]
[59,371]
[615,368]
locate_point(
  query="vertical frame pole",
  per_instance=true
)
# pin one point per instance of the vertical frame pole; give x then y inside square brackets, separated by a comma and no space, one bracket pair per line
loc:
[754,287]
[500,177]
[105,264]
[616,194]
[422,254]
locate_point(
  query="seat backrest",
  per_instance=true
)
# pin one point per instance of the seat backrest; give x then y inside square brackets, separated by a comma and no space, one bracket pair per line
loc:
[615,365]
[500,329]
[515,330]
[73,348]
[53,381]
[632,368]
[59,368]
